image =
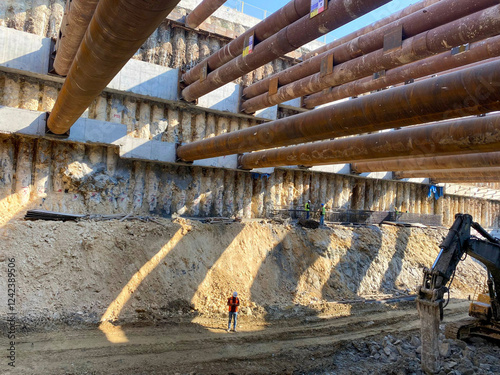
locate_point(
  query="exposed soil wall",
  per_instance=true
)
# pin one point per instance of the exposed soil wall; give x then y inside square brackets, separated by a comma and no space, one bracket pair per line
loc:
[133,271]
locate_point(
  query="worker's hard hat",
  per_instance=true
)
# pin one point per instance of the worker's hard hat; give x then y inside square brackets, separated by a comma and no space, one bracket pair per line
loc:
[322,204]
[235,294]
[309,201]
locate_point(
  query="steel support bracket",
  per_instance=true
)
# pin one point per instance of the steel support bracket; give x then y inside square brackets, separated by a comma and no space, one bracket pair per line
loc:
[48,132]
[326,65]
[393,39]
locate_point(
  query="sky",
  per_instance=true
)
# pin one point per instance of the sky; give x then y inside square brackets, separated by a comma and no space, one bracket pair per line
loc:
[273,5]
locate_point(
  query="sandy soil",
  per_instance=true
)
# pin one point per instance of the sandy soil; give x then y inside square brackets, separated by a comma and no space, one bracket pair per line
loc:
[203,346]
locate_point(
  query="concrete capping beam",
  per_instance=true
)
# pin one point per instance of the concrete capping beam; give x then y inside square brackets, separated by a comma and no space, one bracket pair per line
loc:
[24,51]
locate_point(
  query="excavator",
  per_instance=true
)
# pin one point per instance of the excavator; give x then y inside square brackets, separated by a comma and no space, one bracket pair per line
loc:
[484,313]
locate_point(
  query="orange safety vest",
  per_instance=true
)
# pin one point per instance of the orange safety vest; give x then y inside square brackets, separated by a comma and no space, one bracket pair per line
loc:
[233,303]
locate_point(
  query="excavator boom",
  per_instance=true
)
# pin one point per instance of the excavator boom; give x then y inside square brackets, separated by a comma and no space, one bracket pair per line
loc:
[430,302]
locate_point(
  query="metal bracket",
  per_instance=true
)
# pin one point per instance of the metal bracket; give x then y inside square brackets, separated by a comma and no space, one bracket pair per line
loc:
[48,132]
[460,49]
[238,163]
[393,40]
[204,72]
[273,86]
[326,65]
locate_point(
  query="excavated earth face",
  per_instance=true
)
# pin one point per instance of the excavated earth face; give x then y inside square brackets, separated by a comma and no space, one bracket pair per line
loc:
[150,297]
[133,272]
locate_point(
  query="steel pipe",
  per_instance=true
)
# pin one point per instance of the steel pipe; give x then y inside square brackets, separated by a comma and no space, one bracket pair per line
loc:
[117,30]
[478,52]
[466,92]
[204,10]
[76,19]
[466,180]
[471,135]
[489,159]
[365,30]
[474,27]
[413,24]
[338,13]
[438,173]
[283,17]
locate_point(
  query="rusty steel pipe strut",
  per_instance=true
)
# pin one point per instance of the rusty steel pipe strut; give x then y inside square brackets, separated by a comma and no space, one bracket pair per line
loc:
[413,24]
[75,21]
[462,180]
[488,159]
[283,17]
[474,27]
[465,92]
[338,13]
[443,62]
[365,30]
[116,32]
[204,10]
[470,135]
[440,173]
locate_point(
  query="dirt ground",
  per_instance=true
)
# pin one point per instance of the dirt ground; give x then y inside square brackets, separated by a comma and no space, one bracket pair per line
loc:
[150,298]
[381,338]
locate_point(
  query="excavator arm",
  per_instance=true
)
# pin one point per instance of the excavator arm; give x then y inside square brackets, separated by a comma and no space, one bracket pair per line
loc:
[431,294]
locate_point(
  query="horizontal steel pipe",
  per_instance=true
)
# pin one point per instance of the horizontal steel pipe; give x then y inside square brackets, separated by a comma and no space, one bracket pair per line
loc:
[482,50]
[338,13]
[431,17]
[466,180]
[438,173]
[76,19]
[283,17]
[365,30]
[204,10]
[466,92]
[116,32]
[487,159]
[474,27]
[471,135]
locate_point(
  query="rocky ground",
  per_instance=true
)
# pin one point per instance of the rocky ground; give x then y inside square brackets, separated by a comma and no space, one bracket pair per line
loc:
[149,298]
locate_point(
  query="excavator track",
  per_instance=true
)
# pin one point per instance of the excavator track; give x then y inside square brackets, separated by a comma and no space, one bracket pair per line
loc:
[460,329]
[466,328]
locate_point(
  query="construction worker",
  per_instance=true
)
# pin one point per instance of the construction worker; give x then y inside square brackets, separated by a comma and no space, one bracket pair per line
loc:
[233,303]
[308,209]
[322,214]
